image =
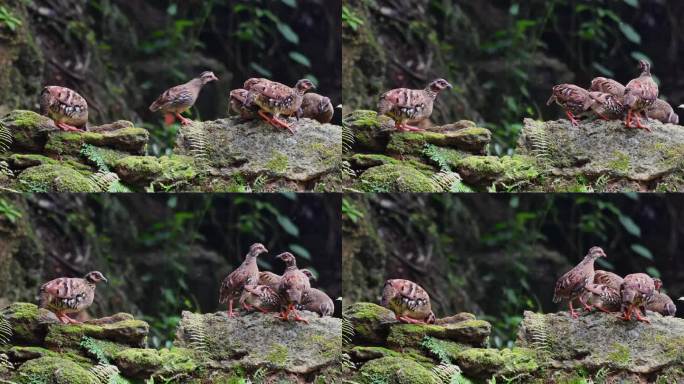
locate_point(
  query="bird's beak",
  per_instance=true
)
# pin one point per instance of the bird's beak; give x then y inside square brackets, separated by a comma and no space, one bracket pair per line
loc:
[214,78]
[105,279]
[449,86]
[280,256]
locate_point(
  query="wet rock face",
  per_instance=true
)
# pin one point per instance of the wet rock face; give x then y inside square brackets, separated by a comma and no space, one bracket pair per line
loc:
[260,340]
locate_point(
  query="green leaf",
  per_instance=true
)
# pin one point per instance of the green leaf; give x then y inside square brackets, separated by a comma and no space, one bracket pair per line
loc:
[300,251]
[637,55]
[630,226]
[604,71]
[630,33]
[300,58]
[653,272]
[605,264]
[288,33]
[290,3]
[514,9]
[642,251]
[172,10]
[288,225]
[632,3]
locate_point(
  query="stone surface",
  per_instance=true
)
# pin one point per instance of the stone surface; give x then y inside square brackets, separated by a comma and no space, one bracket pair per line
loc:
[55,178]
[396,370]
[396,178]
[371,322]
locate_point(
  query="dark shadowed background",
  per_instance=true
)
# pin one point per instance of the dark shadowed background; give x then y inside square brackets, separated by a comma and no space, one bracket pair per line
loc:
[497,256]
[162,254]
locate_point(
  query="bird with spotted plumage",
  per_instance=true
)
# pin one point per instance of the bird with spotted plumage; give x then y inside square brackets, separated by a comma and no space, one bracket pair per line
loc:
[411,106]
[573,283]
[65,107]
[66,295]
[180,98]
[276,99]
[409,301]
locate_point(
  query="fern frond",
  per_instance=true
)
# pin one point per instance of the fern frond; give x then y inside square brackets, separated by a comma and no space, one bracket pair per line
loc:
[5,169]
[106,373]
[259,183]
[347,362]
[5,138]
[94,156]
[347,171]
[108,182]
[539,142]
[94,349]
[197,334]
[197,140]
[448,374]
[539,333]
[448,181]
[259,376]
[433,153]
[5,330]
[348,139]
[436,348]
[347,331]
[5,363]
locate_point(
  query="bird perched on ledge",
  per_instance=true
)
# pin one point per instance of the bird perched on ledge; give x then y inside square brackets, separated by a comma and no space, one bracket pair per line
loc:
[573,99]
[604,294]
[605,85]
[66,107]
[260,297]
[410,106]
[607,106]
[180,98]
[662,111]
[247,274]
[636,290]
[277,99]
[242,105]
[317,107]
[292,286]
[408,300]
[69,295]
[640,94]
[572,284]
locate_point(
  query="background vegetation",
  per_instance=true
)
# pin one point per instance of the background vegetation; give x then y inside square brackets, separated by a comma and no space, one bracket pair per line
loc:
[504,56]
[162,254]
[122,54]
[497,256]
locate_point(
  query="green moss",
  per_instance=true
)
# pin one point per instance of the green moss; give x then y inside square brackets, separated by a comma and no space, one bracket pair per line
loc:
[487,362]
[620,162]
[395,370]
[363,118]
[396,178]
[278,162]
[140,363]
[129,332]
[27,119]
[277,355]
[55,178]
[125,139]
[620,355]
[55,370]
[411,335]
[506,169]
[143,170]
[328,155]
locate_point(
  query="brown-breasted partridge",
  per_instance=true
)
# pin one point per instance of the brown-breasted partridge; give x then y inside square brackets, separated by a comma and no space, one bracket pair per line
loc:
[269,278]
[247,274]
[604,294]
[607,106]
[315,300]
[636,289]
[605,85]
[573,99]
[69,295]
[410,106]
[661,303]
[662,111]
[260,297]
[242,104]
[277,99]
[317,107]
[572,284]
[408,300]
[640,93]
[292,286]
[180,98]
[66,107]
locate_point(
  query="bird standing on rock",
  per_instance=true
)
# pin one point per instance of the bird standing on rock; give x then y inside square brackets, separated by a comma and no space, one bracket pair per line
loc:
[277,99]
[573,99]
[640,94]
[242,104]
[604,294]
[572,284]
[636,289]
[247,274]
[69,295]
[662,111]
[607,106]
[315,300]
[260,297]
[180,98]
[317,107]
[408,300]
[66,107]
[610,86]
[292,286]
[410,106]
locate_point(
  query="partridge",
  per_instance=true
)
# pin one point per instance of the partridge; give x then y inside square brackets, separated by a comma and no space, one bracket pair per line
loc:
[410,106]
[408,300]
[180,98]
[260,297]
[605,85]
[572,284]
[605,292]
[607,106]
[292,286]
[247,274]
[317,107]
[277,99]
[573,99]
[317,301]
[242,104]
[68,109]
[269,278]
[662,110]
[661,303]
[640,94]
[635,292]
[69,295]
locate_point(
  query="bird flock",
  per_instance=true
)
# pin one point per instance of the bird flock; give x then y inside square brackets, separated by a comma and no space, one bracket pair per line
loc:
[259,98]
[610,293]
[610,100]
[256,291]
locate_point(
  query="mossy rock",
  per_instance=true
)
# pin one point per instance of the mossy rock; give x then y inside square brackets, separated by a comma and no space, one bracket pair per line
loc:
[482,171]
[29,130]
[470,139]
[20,161]
[396,178]
[395,370]
[143,363]
[142,170]
[55,370]
[484,363]
[371,322]
[131,140]
[365,353]
[129,332]
[371,132]
[471,332]
[27,326]
[55,178]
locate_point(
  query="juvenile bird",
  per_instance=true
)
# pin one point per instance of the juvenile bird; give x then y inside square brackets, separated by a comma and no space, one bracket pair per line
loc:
[572,284]
[277,99]
[661,303]
[247,274]
[292,286]
[317,107]
[269,278]
[408,300]
[410,106]
[180,98]
[315,300]
[662,111]
[636,289]
[604,294]
[69,295]
[605,85]
[260,297]
[640,94]
[573,99]
[242,104]
[66,107]
[607,106]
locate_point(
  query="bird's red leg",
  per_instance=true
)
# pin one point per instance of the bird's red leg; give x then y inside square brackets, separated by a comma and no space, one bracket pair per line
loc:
[260,309]
[183,120]
[67,127]
[639,125]
[231,314]
[410,320]
[572,119]
[626,314]
[628,121]
[640,317]
[247,307]
[601,308]
[587,307]
[573,314]
[284,314]
[299,318]
[72,321]
[411,128]
[60,317]
[169,119]
[283,124]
